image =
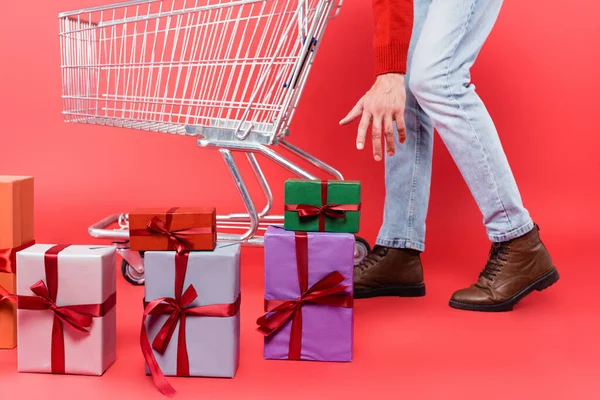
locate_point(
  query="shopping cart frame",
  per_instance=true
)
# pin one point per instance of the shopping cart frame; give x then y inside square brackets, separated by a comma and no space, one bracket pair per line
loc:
[228,140]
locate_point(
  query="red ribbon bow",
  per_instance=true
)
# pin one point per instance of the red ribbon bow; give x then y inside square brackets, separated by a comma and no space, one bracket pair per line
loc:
[178,309]
[177,238]
[66,314]
[8,258]
[329,210]
[336,211]
[327,291]
[79,317]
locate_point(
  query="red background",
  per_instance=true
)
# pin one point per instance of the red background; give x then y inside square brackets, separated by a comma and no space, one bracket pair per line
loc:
[537,75]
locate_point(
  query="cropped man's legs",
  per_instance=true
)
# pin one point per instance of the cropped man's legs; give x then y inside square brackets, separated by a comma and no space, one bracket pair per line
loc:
[394,267]
[519,263]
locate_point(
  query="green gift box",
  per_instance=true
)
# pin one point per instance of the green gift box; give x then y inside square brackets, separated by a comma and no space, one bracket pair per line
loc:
[322,206]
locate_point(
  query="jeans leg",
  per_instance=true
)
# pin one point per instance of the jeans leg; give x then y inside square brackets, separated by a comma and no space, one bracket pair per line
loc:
[453,34]
[408,172]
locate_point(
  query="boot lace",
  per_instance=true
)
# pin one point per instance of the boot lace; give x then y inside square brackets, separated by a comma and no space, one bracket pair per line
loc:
[372,258]
[497,257]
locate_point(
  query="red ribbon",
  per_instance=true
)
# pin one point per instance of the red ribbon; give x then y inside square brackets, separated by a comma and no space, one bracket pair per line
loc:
[8,258]
[325,210]
[178,309]
[327,291]
[78,317]
[177,238]
[4,295]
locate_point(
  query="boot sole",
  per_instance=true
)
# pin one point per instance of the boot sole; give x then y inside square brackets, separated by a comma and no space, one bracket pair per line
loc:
[391,291]
[544,282]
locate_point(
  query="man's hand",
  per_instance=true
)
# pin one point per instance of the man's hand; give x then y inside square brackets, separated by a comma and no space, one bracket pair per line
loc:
[382,105]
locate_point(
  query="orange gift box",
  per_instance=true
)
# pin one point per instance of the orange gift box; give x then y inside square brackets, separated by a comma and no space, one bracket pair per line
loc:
[177,228]
[16,231]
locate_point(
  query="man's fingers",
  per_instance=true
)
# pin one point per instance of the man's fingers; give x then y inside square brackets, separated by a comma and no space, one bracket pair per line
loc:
[363,127]
[401,128]
[377,122]
[353,114]
[388,130]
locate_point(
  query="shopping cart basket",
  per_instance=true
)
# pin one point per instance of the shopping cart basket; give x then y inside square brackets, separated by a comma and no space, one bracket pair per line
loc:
[229,72]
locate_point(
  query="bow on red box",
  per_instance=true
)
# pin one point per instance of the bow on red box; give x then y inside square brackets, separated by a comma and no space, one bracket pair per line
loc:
[78,317]
[8,258]
[327,291]
[178,309]
[177,237]
[335,211]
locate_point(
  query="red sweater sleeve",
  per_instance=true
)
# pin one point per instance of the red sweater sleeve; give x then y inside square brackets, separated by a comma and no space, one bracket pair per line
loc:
[393,29]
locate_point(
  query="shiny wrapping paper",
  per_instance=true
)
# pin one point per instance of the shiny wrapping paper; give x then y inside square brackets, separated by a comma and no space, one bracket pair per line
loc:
[85,277]
[213,343]
[327,331]
[192,227]
[325,206]
[16,230]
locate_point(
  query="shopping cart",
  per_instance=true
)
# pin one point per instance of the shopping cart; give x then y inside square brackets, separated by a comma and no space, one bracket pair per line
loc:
[229,72]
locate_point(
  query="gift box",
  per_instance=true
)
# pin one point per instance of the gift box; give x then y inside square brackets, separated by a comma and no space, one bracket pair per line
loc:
[322,206]
[177,228]
[66,309]
[308,296]
[192,320]
[16,233]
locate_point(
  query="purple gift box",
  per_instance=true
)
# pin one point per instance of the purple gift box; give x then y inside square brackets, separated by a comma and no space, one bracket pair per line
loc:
[327,331]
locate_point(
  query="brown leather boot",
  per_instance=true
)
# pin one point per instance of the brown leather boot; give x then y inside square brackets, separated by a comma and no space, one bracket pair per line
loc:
[389,272]
[514,269]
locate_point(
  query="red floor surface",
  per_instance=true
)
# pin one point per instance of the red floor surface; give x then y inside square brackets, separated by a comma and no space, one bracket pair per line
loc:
[404,348]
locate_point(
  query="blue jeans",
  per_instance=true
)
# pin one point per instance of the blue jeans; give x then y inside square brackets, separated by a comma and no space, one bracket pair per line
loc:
[447,37]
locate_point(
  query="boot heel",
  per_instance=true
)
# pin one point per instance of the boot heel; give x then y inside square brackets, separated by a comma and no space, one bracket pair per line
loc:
[550,279]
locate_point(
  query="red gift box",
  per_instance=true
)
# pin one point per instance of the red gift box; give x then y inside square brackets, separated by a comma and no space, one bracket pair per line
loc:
[178,228]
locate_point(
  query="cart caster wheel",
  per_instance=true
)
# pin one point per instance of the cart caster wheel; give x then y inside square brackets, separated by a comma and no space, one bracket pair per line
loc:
[361,250]
[131,275]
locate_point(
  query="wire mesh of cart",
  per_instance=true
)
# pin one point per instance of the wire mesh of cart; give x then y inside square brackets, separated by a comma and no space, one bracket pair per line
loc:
[229,72]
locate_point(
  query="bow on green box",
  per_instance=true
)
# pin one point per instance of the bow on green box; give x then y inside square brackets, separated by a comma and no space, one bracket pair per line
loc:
[322,206]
